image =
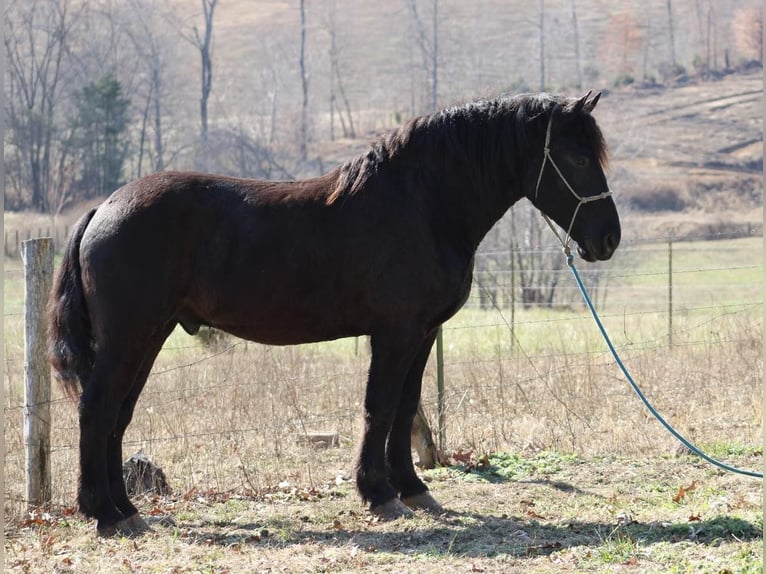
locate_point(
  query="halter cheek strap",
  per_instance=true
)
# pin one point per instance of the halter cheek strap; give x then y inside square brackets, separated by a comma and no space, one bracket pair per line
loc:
[547,157]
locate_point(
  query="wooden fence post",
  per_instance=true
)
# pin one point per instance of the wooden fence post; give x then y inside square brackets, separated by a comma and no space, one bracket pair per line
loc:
[440,407]
[513,283]
[37,255]
[670,291]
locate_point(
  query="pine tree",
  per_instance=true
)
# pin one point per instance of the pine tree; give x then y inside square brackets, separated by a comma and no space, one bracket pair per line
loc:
[103,140]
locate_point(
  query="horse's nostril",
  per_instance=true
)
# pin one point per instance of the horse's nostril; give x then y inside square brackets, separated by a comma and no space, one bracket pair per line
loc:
[611,241]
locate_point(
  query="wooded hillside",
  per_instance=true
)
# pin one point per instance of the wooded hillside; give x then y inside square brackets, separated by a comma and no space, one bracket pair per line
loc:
[101,92]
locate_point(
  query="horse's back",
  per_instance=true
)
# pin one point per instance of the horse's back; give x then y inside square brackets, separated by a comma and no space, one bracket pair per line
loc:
[260,259]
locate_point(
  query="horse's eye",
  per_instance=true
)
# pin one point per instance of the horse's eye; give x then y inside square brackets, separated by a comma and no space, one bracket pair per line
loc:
[581,161]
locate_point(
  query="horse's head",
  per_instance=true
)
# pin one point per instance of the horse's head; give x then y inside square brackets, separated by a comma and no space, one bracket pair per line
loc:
[569,185]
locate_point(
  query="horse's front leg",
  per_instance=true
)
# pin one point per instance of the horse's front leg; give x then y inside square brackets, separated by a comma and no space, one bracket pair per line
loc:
[412,491]
[392,358]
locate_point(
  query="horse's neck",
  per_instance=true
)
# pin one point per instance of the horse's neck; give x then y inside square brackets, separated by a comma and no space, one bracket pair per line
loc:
[479,204]
[478,194]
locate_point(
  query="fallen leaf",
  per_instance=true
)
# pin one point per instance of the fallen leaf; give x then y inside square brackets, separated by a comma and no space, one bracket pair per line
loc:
[695,518]
[682,491]
[463,457]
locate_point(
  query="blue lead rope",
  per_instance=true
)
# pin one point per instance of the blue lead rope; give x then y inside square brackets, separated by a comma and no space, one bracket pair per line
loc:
[633,384]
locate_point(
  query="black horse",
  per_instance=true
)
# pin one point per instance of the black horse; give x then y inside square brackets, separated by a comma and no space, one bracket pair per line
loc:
[381,246]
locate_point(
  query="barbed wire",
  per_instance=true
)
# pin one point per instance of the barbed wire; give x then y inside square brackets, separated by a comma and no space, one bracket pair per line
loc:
[191,392]
[355,411]
[593,359]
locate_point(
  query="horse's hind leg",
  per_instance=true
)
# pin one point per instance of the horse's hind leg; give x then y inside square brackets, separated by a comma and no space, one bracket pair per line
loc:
[99,405]
[404,479]
[113,375]
[133,521]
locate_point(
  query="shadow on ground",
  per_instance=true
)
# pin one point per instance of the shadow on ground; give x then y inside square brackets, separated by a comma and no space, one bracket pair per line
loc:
[470,534]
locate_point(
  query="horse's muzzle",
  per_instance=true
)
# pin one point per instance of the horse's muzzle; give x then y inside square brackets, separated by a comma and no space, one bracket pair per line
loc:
[599,249]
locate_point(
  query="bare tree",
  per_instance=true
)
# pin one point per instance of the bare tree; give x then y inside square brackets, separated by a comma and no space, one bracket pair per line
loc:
[203,43]
[623,43]
[434,55]
[36,44]
[148,44]
[542,45]
[576,30]
[428,49]
[538,265]
[747,26]
[304,86]
[336,82]
[672,35]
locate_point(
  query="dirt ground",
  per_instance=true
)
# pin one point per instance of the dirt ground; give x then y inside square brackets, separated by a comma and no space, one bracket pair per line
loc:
[544,512]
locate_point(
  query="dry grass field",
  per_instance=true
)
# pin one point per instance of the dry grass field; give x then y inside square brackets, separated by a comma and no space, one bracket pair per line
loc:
[552,463]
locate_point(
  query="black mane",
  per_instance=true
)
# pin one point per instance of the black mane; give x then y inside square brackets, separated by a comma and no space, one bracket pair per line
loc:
[476,132]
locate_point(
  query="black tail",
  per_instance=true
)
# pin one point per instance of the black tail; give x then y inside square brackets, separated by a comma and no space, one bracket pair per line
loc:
[69,331]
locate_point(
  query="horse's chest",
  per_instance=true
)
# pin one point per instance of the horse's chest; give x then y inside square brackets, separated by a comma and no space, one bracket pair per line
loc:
[453,290]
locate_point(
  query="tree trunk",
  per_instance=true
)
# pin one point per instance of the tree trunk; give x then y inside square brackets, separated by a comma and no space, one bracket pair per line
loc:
[672,35]
[578,67]
[542,45]
[204,46]
[434,59]
[304,86]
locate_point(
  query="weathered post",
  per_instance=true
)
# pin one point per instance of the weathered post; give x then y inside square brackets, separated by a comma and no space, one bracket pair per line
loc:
[670,291]
[513,283]
[441,415]
[37,255]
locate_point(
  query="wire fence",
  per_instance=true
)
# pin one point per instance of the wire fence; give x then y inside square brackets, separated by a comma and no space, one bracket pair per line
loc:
[525,365]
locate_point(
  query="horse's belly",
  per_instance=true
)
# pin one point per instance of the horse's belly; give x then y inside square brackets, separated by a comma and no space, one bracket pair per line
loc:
[279,315]
[287,331]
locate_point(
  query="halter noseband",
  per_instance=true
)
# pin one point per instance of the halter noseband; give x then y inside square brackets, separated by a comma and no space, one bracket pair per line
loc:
[548,157]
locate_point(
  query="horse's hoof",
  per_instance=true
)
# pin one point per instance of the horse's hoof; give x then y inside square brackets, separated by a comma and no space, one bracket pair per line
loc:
[106,531]
[391,510]
[423,501]
[131,526]
[135,524]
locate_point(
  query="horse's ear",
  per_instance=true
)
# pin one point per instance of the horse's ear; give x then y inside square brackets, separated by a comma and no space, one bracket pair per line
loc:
[581,103]
[592,104]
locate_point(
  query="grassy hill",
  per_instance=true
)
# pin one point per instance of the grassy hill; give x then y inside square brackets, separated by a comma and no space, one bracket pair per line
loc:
[688,159]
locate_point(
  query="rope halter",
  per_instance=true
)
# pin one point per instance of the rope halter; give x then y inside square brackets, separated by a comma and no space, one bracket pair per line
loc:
[547,157]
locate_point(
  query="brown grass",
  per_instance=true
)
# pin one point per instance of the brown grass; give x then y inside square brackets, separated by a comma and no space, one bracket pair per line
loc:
[233,419]
[225,419]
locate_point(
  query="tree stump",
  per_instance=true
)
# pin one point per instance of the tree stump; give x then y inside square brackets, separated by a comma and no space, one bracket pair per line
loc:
[142,476]
[423,440]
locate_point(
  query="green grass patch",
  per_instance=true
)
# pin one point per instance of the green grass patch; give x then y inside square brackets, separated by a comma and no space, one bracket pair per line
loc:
[721,449]
[505,466]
